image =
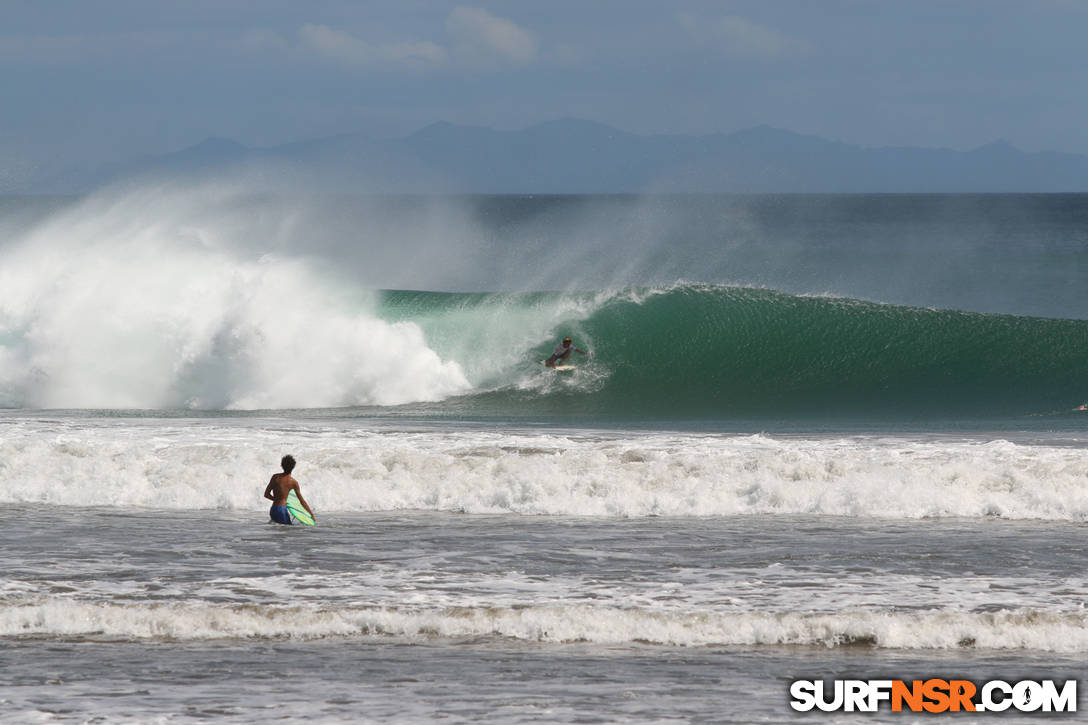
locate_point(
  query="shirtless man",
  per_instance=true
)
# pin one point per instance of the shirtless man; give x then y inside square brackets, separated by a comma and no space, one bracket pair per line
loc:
[277,489]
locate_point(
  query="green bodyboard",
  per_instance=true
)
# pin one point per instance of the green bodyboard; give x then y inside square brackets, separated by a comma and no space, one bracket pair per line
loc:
[300,514]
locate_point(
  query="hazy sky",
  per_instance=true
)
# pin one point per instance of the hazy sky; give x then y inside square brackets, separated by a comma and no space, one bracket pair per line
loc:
[100,80]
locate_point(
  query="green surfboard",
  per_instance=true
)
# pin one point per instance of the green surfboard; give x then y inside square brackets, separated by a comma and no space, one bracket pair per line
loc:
[300,514]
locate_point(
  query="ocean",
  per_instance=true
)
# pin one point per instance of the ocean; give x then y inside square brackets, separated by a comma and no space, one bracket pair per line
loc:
[815,438]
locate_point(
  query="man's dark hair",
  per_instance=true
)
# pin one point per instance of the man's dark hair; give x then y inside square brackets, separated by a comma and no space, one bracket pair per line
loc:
[288,463]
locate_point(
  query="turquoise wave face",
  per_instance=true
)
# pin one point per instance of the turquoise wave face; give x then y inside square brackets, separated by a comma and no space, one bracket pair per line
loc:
[710,351]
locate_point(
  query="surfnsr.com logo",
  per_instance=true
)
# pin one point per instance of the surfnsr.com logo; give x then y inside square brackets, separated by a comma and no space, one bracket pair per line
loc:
[933,695]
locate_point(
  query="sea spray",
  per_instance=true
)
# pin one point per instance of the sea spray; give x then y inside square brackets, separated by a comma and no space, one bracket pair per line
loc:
[117,307]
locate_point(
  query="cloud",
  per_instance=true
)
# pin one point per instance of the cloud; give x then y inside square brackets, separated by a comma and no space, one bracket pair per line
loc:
[480,38]
[349,50]
[741,38]
[476,39]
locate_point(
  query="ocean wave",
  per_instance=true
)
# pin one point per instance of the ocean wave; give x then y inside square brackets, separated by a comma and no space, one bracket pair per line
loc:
[695,350]
[206,298]
[1021,629]
[551,474]
[130,303]
[105,319]
[134,308]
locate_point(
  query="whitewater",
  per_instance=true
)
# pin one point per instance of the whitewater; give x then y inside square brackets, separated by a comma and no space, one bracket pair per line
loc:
[490,469]
[815,437]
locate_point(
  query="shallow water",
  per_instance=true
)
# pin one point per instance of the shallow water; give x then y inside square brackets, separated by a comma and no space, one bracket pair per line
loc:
[411,615]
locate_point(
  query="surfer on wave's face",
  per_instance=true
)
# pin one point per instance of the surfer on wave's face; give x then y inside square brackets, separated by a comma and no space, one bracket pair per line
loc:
[562,351]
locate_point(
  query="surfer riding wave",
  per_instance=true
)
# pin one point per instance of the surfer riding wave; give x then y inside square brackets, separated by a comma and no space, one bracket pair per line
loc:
[561,352]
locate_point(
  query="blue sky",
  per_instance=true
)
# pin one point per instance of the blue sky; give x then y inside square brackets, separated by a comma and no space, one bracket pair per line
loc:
[100,80]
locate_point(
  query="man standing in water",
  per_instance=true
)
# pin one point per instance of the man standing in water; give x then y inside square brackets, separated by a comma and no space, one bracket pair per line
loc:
[562,351]
[277,489]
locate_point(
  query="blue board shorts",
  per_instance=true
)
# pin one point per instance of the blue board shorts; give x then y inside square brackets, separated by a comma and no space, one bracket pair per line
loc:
[280,515]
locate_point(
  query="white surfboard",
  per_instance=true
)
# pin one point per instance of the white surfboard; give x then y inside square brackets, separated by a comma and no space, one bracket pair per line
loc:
[559,368]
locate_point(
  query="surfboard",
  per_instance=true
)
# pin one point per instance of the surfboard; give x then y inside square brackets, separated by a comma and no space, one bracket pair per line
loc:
[300,514]
[560,368]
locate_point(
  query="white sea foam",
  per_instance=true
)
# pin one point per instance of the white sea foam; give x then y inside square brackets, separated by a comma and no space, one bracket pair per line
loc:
[147,300]
[938,629]
[193,464]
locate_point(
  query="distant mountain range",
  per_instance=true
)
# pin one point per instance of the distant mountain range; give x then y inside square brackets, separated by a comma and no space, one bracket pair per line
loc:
[572,156]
